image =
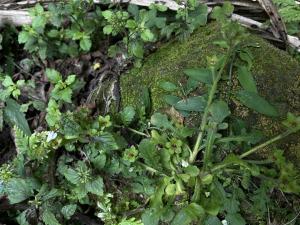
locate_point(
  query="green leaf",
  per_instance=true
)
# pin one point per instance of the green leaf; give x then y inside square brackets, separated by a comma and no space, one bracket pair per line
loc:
[147,35]
[95,186]
[149,153]
[161,121]
[196,104]
[188,214]
[137,49]
[14,116]
[219,110]
[49,218]
[151,217]
[85,43]
[107,141]
[235,219]
[171,99]
[21,219]
[53,75]
[246,79]
[68,211]
[71,175]
[21,140]
[257,103]
[212,220]
[23,37]
[168,86]
[7,81]
[203,75]
[127,115]
[18,190]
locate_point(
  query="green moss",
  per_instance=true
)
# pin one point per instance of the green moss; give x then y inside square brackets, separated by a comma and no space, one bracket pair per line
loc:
[277,75]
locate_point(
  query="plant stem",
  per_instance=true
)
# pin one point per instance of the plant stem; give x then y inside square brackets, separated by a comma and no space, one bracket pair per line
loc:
[211,95]
[271,141]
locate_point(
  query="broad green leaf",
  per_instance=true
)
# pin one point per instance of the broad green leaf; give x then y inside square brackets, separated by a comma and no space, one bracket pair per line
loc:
[23,37]
[107,141]
[68,210]
[147,35]
[150,217]
[161,121]
[168,86]
[196,104]
[99,161]
[219,110]
[18,190]
[188,214]
[246,79]
[14,116]
[71,175]
[95,186]
[53,75]
[85,43]
[171,99]
[231,205]
[149,153]
[127,115]
[212,220]
[257,103]
[21,219]
[137,49]
[7,81]
[203,75]
[235,219]
[49,218]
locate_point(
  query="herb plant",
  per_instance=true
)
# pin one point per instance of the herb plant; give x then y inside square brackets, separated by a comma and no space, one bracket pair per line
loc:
[138,167]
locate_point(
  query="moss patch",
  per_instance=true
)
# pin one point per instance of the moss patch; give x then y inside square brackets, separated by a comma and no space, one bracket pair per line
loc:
[277,75]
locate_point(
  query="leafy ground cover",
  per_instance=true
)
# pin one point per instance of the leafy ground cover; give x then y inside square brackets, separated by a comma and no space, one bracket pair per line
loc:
[73,155]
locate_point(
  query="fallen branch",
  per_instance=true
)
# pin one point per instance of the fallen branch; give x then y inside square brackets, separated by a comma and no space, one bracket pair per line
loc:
[21,17]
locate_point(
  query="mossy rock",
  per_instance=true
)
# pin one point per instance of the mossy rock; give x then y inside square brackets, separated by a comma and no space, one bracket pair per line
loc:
[277,75]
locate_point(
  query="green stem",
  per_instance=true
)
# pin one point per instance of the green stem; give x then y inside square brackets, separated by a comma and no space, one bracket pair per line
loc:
[271,141]
[211,95]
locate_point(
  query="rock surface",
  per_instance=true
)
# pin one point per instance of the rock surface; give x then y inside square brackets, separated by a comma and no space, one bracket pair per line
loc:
[277,75]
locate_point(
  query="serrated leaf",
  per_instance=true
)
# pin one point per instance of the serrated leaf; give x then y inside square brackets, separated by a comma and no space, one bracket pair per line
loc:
[192,104]
[18,190]
[107,141]
[68,210]
[257,103]
[14,116]
[203,75]
[49,218]
[95,186]
[53,75]
[246,79]
[149,153]
[219,110]
[71,175]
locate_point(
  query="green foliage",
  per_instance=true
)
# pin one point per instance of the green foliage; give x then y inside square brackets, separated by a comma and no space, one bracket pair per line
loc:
[135,167]
[67,29]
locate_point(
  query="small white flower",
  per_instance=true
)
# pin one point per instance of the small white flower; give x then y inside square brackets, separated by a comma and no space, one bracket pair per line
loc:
[51,136]
[224,222]
[131,169]
[184,163]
